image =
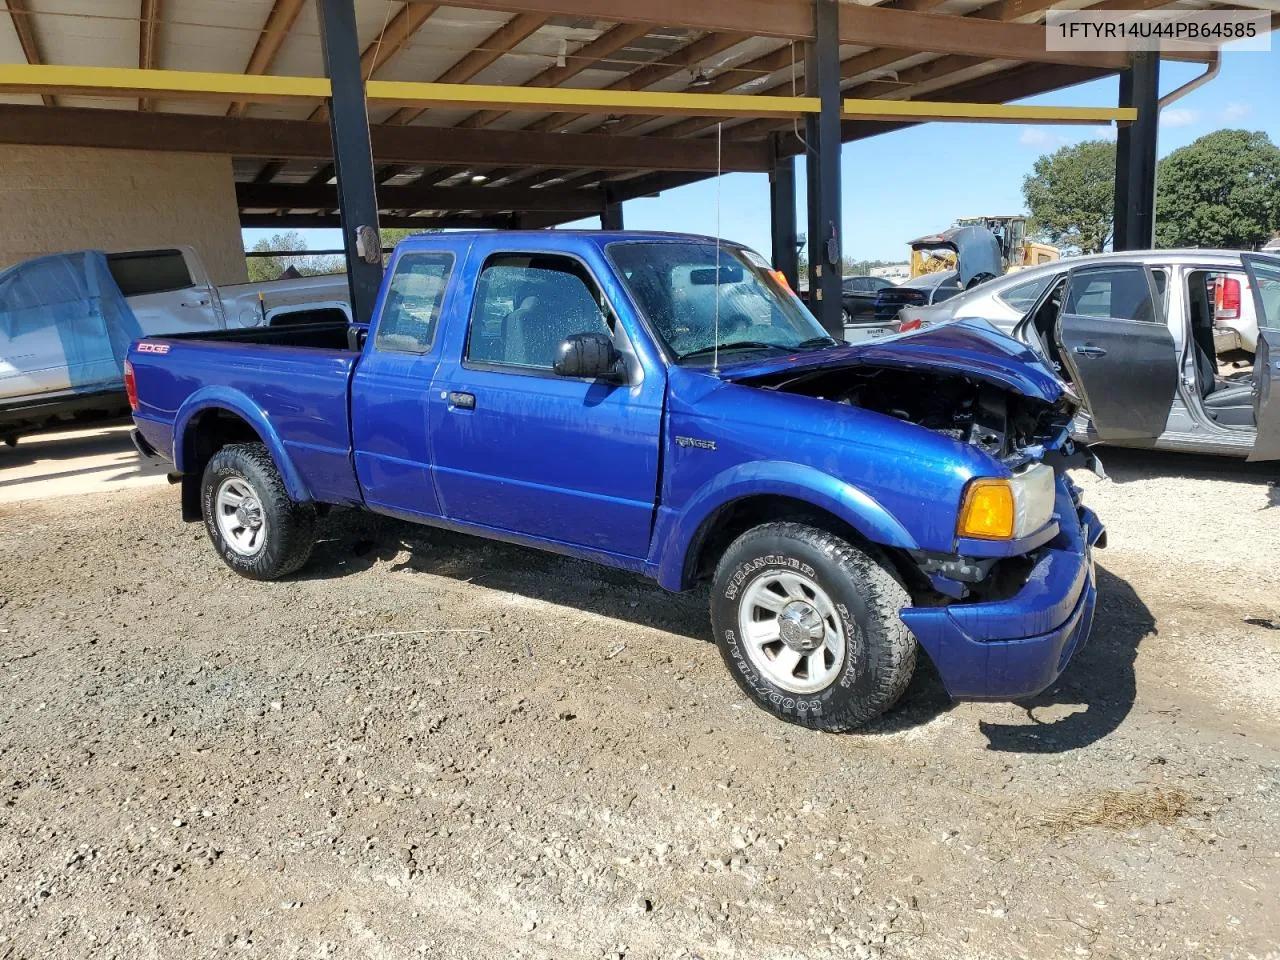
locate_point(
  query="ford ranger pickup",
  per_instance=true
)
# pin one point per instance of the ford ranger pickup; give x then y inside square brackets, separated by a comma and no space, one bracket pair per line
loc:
[663,404]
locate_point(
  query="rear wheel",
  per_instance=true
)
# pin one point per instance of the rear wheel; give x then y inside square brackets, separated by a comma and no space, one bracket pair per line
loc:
[257,529]
[808,626]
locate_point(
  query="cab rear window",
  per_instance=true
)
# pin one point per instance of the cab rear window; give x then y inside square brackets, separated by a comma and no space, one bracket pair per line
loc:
[143,272]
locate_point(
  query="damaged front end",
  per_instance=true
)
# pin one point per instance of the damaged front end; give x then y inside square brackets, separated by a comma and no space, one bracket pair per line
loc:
[1009,426]
[1001,611]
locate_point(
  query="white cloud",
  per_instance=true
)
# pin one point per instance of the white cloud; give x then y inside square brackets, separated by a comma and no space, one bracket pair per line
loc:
[1034,137]
[1178,117]
[1234,112]
[1105,133]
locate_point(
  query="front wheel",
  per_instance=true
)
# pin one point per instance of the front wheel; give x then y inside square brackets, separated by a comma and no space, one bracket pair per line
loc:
[259,532]
[808,626]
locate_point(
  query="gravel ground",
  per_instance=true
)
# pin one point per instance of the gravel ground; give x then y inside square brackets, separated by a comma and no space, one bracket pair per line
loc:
[430,745]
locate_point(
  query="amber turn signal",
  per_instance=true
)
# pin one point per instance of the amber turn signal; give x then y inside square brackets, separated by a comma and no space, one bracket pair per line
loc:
[987,511]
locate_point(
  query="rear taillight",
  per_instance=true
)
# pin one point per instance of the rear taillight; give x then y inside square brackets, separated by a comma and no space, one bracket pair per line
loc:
[908,325]
[1226,299]
[130,386]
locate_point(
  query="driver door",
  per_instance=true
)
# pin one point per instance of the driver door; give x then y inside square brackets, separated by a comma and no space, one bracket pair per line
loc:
[1117,349]
[1264,277]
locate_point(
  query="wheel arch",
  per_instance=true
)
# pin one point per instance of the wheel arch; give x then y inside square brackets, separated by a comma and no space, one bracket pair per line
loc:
[210,420]
[753,494]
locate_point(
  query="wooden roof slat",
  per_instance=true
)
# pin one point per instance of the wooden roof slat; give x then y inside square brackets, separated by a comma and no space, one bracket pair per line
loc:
[20,14]
[293,196]
[302,139]
[608,43]
[683,59]
[930,70]
[390,41]
[873,60]
[585,57]
[321,221]
[148,41]
[503,40]
[867,26]
[274,31]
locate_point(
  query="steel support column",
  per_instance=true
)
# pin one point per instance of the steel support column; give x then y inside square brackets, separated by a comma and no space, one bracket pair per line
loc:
[824,180]
[782,219]
[1135,201]
[1124,131]
[352,154]
[611,215]
[812,187]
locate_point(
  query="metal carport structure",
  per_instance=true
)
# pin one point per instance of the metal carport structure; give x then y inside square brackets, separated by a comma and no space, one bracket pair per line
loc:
[531,113]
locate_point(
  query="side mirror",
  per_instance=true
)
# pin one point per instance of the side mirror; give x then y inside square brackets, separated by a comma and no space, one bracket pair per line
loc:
[591,356]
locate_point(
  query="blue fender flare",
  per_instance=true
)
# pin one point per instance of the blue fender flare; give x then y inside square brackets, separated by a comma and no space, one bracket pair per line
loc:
[679,531]
[233,401]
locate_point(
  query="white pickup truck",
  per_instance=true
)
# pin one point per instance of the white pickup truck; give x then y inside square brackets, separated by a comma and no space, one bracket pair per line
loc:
[67,320]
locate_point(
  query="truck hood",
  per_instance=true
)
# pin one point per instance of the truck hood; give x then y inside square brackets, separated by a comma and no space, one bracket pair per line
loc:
[971,348]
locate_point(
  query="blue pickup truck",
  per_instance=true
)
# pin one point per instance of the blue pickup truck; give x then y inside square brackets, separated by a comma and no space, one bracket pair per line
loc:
[663,404]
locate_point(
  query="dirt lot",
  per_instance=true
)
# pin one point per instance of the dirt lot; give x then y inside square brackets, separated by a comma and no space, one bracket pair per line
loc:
[428,745]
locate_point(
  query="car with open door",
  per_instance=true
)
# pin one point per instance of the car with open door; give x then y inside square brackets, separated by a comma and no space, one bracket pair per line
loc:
[1135,339]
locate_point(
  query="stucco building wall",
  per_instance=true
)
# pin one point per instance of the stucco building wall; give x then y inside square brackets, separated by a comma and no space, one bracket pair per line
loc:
[57,199]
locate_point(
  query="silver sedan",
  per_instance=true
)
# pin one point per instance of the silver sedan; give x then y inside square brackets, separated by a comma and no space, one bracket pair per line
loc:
[1004,301]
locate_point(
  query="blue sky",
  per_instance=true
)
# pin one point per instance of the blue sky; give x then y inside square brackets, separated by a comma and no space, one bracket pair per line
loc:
[911,182]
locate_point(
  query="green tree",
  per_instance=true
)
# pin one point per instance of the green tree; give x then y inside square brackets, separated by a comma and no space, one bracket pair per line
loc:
[392,235]
[1223,190]
[1070,194]
[262,269]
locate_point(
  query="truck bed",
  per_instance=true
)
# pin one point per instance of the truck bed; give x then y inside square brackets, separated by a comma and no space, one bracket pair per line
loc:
[287,382]
[319,336]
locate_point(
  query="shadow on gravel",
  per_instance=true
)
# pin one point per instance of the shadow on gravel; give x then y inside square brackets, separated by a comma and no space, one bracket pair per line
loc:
[1127,466]
[352,542]
[1100,678]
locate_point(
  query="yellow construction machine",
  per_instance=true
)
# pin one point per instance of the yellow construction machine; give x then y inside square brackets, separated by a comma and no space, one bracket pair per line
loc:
[1016,250]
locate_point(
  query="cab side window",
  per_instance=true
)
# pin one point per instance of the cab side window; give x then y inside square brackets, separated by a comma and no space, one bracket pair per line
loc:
[411,310]
[1117,293]
[526,304]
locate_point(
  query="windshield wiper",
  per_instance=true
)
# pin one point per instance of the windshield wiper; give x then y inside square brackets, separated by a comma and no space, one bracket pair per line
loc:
[736,345]
[812,342]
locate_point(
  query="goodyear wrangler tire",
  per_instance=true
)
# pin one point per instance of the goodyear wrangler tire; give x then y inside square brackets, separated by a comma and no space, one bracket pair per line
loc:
[259,532]
[808,626]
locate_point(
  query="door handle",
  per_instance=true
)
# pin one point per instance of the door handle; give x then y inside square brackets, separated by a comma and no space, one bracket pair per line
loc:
[1089,350]
[459,400]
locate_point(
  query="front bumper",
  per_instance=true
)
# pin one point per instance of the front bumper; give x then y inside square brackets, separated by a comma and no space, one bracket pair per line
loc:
[1014,648]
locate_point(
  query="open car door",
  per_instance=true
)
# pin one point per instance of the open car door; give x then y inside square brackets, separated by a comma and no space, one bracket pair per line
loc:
[1264,277]
[1117,349]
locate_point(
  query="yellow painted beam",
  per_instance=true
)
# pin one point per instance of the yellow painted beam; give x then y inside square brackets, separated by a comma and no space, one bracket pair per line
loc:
[185,84]
[540,99]
[983,112]
[173,84]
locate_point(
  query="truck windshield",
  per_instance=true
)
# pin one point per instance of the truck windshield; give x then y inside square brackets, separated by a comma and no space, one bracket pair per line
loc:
[678,287]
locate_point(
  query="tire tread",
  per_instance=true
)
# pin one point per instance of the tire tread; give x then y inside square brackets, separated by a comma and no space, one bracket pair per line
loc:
[293,521]
[894,650]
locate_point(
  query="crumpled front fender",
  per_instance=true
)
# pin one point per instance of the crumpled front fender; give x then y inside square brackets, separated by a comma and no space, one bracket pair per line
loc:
[680,532]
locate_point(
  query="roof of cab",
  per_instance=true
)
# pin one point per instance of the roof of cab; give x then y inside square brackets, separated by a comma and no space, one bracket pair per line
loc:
[546,239]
